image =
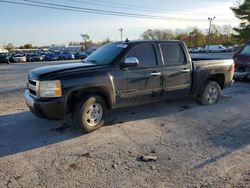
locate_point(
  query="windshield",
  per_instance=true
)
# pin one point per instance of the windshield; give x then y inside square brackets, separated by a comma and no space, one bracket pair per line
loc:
[246,50]
[106,54]
[18,55]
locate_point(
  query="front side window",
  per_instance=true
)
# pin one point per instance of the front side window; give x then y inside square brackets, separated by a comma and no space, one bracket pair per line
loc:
[145,53]
[246,50]
[172,54]
[106,54]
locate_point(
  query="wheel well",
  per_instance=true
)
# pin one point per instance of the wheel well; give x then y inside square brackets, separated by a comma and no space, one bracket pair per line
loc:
[219,78]
[77,95]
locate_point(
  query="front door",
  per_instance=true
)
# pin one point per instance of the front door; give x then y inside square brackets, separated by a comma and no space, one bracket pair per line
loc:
[144,81]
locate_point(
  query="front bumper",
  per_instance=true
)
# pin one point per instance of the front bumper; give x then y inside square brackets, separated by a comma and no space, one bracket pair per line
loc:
[49,109]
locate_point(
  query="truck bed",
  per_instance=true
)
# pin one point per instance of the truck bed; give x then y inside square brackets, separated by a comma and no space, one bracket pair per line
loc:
[202,69]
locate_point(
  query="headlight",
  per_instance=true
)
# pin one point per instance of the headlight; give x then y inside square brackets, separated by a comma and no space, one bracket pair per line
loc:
[50,88]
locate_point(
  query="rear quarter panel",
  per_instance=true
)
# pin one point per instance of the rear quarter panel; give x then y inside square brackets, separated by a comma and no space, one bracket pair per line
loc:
[206,69]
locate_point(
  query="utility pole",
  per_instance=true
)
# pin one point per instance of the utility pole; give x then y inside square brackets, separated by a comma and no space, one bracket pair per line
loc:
[121,30]
[209,30]
[210,24]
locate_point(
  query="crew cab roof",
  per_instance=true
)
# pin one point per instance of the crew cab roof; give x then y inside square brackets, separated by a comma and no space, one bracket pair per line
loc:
[134,42]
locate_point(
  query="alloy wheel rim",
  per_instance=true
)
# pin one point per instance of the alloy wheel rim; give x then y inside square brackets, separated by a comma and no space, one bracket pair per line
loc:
[212,95]
[94,114]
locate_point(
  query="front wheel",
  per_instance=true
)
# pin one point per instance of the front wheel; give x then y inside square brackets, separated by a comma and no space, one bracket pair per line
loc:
[89,113]
[210,94]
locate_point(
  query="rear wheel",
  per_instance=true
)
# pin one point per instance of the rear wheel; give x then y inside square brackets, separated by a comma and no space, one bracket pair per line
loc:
[89,113]
[210,94]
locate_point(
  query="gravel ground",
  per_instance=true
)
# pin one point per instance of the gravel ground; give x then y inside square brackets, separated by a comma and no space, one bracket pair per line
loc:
[195,146]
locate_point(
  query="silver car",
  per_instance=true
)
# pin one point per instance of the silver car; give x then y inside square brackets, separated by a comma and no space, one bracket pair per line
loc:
[19,58]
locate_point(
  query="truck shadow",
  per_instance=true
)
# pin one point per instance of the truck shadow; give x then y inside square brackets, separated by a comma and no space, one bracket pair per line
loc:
[147,111]
[23,131]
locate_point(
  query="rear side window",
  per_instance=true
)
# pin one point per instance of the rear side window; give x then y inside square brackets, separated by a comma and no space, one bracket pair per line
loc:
[172,54]
[144,53]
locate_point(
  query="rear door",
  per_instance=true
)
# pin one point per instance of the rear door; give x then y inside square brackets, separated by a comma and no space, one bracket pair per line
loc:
[146,79]
[177,70]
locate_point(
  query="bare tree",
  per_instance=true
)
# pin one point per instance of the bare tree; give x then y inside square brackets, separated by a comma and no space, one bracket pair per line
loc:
[86,44]
[9,47]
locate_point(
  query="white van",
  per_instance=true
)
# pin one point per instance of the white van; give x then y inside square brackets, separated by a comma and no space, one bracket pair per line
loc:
[215,48]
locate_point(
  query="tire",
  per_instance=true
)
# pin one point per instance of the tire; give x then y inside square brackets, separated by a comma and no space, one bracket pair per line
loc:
[89,113]
[210,94]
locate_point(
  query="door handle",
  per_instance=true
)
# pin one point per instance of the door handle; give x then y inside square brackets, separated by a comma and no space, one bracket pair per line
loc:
[186,70]
[155,74]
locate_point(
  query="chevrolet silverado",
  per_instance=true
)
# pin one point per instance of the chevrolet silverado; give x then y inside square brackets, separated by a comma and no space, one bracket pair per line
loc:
[122,74]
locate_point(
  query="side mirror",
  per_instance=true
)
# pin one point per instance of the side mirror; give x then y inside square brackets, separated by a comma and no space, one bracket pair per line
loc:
[130,62]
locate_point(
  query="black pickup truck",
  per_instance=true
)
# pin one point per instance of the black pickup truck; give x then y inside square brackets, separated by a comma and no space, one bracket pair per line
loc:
[123,74]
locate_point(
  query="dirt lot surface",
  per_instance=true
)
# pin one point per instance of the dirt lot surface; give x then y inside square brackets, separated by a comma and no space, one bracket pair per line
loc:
[195,146]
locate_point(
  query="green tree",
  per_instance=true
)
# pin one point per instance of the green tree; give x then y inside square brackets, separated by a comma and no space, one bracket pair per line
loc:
[220,35]
[242,11]
[27,46]
[192,36]
[197,38]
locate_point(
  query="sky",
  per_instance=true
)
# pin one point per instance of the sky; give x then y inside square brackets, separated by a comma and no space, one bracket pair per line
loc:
[21,24]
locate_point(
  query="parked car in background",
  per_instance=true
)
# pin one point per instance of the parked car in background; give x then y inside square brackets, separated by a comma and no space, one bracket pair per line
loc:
[67,56]
[196,50]
[230,48]
[19,58]
[215,48]
[242,63]
[43,54]
[51,57]
[81,55]
[34,57]
[4,58]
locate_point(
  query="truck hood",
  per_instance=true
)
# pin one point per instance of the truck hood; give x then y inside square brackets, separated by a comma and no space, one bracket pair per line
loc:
[53,71]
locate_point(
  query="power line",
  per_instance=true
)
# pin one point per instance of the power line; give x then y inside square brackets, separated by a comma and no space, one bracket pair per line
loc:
[140,8]
[99,11]
[147,7]
[120,13]
[43,6]
[116,12]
